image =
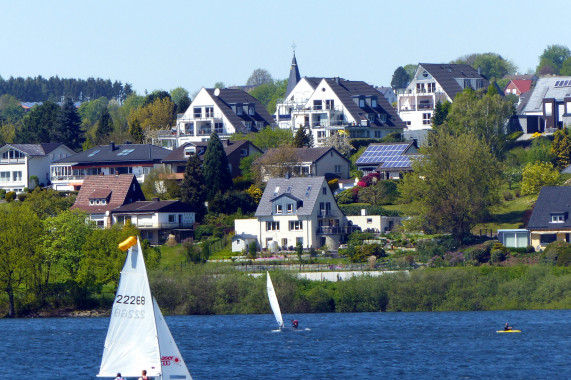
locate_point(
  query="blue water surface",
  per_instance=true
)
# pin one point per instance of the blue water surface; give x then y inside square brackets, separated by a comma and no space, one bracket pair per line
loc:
[443,345]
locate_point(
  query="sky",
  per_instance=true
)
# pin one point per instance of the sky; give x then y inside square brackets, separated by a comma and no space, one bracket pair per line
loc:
[162,45]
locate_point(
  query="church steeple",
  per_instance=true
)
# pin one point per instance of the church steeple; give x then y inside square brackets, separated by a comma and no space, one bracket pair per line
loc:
[294,76]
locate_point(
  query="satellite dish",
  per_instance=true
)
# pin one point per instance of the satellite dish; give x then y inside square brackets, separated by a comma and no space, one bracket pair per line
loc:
[216,92]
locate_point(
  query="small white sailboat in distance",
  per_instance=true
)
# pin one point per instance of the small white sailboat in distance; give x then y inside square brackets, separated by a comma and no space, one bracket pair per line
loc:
[274,302]
[138,337]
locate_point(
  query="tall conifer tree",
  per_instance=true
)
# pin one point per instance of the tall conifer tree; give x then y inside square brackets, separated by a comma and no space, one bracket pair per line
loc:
[192,187]
[217,177]
[67,129]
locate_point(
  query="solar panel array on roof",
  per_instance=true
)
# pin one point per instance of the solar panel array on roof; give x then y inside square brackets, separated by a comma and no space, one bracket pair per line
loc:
[382,153]
[563,83]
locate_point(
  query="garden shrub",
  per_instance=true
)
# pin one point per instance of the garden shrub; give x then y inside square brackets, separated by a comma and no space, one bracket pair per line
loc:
[10,196]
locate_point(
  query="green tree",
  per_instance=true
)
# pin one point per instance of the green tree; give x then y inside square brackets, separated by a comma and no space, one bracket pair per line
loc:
[491,65]
[37,124]
[48,203]
[483,115]
[91,112]
[219,85]
[302,138]
[552,58]
[20,231]
[67,129]
[566,67]
[537,175]
[192,187]
[400,78]
[561,148]
[267,138]
[341,142]
[181,99]
[217,177]
[247,166]
[258,77]
[104,127]
[136,131]
[454,184]
[410,70]
[10,109]
[440,113]
[160,183]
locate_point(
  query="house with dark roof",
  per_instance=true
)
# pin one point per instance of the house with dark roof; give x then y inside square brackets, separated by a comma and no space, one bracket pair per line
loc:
[551,216]
[100,194]
[547,107]
[433,83]
[235,151]
[139,159]
[157,219]
[328,106]
[321,161]
[22,164]
[225,111]
[296,210]
[390,160]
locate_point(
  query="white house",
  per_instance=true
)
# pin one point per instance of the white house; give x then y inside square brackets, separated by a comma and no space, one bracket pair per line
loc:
[139,159]
[433,83]
[21,163]
[327,106]
[298,209]
[226,111]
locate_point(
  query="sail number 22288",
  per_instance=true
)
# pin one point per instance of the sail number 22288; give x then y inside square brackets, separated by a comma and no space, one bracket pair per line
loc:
[130,300]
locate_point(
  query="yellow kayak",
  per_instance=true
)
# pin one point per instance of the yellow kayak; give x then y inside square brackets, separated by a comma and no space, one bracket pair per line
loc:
[508,331]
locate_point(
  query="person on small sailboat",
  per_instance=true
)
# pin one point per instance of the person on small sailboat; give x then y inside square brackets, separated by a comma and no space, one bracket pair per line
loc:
[294,323]
[507,327]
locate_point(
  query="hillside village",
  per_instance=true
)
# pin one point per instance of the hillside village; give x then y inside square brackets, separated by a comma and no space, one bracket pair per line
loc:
[451,166]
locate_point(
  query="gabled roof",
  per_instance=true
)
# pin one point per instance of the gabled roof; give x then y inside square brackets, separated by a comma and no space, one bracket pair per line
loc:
[153,206]
[388,156]
[446,74]
[308,154]
[120,187]
[125,153]
[523,85]
[230,96]
[299,189]
[557,88]
[347,91]
[230,146]
[36,149]
[551,200]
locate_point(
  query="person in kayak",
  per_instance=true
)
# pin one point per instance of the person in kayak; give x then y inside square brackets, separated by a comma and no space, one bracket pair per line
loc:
[294,323]
[507,327]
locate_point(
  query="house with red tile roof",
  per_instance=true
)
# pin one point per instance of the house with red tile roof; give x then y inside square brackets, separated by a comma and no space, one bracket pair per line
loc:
[518,86]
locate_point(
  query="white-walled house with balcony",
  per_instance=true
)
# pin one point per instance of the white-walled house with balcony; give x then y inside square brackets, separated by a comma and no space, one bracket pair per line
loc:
[327,106]
[139,159]
[226,111]
[433,83]
[21,163]
[297,209]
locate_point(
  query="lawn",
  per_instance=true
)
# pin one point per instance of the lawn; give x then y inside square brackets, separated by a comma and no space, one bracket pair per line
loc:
[509,214]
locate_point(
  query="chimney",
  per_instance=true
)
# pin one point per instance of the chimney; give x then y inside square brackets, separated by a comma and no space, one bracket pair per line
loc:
[155,199]
[479,71]
[112,145]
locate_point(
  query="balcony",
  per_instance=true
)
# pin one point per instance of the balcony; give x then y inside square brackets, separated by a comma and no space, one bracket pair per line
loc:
[12,161]
[337,230]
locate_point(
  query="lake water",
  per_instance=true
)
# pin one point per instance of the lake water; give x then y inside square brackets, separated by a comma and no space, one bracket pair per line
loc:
[445,345]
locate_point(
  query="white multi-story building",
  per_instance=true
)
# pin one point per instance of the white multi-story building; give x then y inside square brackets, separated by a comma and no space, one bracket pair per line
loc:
[225,111]
[139,159]
[326,106]
[433,83]
[21,164]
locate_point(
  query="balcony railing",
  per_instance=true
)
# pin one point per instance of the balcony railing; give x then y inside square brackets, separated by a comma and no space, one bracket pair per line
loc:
[337,230]
[12,160]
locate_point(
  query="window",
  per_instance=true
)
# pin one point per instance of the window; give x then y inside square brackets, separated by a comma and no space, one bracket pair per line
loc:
[17,176]
[377,134]
[209,111]
[279,209]
[325,208]
[125,152]
[308,191]
[548,109]
[431,87]
[317,104]
[467,83]
[361,102]
[371,117]
[420,87]
[4,176]
[251,110]
[373,102]
[369,220]
[239,110]
[338,167]
[299,240]
[290,208]
[324,191]
[243,152]
[295,225]
[329,104]
[197,112]
[547,238]
[172,218]
[557,218]
[219,127]
[426,118]
[276,190]
[284,242]
[272,226]
[93,153]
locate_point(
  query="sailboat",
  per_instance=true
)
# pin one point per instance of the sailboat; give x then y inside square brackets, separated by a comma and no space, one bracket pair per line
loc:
[138,337]
[274,302]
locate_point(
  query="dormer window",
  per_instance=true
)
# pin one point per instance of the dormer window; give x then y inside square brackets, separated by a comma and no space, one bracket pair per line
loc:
[251,110]
[276,190]
[558,218]
[373,102]
[97,201]
[239,110]
[290,208]
[361,102]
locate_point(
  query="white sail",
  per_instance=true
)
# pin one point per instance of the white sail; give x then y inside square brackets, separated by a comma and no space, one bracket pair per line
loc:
[135,328]
[274,302]
[173,366]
